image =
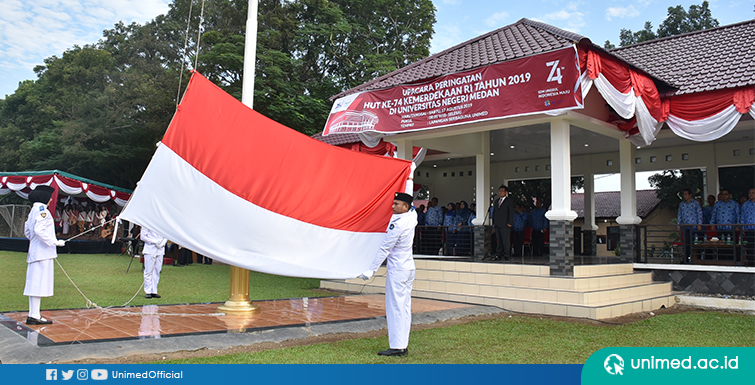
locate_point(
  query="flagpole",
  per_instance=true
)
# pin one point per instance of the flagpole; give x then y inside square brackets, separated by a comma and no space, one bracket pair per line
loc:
[238,303]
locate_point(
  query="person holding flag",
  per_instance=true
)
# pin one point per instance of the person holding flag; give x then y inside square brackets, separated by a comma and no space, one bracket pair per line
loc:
[397,248]
[40,271]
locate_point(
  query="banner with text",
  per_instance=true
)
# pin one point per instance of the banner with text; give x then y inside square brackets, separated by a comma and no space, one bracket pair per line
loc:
[539,83]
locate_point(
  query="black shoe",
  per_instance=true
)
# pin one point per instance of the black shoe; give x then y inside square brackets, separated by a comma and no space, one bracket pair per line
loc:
[155,295]
[148,296]
[35,321]
[394,352]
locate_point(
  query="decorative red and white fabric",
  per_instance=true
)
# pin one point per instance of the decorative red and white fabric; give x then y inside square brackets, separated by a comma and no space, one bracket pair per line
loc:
[630,93]
[702,116]
[229,183]
[708,115]
[23,184]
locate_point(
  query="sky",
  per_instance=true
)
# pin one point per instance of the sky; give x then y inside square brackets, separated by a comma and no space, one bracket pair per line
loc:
[31,31]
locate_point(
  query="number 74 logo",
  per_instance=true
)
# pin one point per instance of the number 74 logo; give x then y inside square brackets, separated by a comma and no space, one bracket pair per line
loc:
[555,75]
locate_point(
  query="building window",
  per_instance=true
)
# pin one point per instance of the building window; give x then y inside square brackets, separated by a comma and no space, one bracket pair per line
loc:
[427,174]
[653,159]
[526,168]
[469,173]
[609,162]
[685,156]
[752,151]
[453,174]
[737,152]
[537,168]
[637,160]
[668,158]
[445,174]
[516,169]
[547,167]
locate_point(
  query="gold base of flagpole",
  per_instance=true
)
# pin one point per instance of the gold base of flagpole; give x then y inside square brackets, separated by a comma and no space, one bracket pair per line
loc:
[238,303]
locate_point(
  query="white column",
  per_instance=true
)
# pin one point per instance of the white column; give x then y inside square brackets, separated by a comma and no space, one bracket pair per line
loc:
[404,149]
[711,177]
[590,202]
[628,190]
[250,55]
[560,173]
[482,181]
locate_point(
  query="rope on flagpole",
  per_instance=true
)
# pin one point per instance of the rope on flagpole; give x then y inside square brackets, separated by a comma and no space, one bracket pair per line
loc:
[186,47]
[199,34]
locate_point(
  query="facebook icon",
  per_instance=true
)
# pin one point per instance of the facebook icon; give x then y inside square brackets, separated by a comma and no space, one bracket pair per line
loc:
[52,375]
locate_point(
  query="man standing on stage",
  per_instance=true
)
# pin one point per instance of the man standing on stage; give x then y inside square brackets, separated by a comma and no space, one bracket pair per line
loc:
[503,219]
[40,271]
[154,250]
[397,247]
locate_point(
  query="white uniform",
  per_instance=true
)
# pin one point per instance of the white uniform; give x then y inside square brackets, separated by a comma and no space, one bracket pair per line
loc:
[40,271]
[154,249]
[397,247]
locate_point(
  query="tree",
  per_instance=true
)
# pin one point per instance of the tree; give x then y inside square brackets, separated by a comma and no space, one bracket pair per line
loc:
[670,183]
[98,110]
[678,21]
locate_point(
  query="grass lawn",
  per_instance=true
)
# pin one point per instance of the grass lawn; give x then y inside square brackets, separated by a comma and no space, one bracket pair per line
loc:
[103,278]
[515,340]
[507,340]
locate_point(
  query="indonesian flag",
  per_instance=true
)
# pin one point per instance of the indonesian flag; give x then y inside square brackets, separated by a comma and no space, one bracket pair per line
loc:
[229,183]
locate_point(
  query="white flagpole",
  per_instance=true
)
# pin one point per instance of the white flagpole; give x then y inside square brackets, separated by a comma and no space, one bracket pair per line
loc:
[250,55]
[238,304]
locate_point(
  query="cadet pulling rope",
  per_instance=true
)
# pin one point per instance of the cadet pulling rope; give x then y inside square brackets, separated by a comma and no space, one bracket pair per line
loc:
[108,310]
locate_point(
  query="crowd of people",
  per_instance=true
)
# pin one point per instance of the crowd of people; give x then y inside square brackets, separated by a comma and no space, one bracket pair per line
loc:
[449,230]
[75,218]
[719,216]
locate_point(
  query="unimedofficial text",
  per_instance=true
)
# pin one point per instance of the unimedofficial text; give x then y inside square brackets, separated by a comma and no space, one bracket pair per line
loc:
[147,374]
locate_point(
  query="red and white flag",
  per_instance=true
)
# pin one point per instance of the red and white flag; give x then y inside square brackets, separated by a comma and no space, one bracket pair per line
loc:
[229,183]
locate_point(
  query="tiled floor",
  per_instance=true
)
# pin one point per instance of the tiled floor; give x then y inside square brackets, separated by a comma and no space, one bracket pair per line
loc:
[153,321]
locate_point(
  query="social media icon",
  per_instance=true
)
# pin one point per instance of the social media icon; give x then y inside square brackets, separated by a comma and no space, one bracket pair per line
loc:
[99,374]
[67,374]
[51,375]
[82,374]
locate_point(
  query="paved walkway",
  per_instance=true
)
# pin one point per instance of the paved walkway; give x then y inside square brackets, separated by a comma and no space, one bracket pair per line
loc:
[118,332]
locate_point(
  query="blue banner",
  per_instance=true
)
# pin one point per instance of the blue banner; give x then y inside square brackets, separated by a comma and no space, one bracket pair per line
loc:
[290,374]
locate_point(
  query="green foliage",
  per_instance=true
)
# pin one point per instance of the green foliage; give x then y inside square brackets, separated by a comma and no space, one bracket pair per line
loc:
[526,190]
[678,21]
[103,278]
[514,340]
[739,180]
[98,110]
[670,183]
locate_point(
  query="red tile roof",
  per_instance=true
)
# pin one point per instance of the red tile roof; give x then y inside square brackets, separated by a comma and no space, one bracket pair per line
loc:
[337,139]
[711,59]
[608,203]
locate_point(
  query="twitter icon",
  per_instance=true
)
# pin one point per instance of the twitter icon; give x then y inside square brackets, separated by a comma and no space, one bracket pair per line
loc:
[67,374]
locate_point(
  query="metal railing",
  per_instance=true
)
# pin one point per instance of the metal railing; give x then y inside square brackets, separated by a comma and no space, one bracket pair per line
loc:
[725,244]
[445,241]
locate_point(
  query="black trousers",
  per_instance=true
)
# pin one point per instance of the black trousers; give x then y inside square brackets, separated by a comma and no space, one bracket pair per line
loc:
[503,236]
[538,243]
[517,238]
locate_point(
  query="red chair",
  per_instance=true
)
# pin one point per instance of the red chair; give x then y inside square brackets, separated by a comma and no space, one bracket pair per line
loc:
[528,239]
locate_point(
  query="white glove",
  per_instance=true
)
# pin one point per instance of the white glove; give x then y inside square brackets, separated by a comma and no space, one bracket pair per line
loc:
[60,243]
[162,244]
[366,275]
